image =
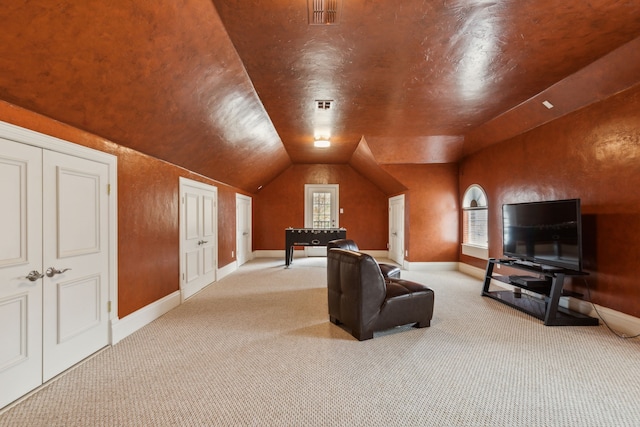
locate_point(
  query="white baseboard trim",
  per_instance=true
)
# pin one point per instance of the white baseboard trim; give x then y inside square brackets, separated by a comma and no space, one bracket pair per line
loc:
[297,253]
[275,254]
[618,321]
[124,327]
[472,271]
[377,254]
[430,266]
[226,270]
[301,254]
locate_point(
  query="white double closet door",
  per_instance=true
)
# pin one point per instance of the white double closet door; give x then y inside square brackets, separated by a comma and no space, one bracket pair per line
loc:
[53,264]
[198,236]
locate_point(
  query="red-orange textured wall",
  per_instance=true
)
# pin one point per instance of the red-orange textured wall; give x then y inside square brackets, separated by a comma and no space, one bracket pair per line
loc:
[281,204]
[148,213]
[226,224]
[147,230]
[592,154]
[431,217]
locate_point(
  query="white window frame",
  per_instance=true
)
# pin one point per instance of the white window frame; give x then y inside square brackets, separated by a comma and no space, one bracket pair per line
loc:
[475,199]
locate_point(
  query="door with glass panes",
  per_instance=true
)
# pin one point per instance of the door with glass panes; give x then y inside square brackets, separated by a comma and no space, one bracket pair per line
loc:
[321,211]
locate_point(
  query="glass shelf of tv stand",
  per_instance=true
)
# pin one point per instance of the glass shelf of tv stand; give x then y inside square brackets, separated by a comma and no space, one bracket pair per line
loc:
[543,299]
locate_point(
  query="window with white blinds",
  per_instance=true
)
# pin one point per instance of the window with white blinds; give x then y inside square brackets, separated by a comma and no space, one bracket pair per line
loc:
[474,228]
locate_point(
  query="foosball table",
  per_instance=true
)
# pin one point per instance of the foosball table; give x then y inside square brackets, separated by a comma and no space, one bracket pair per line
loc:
[309,237]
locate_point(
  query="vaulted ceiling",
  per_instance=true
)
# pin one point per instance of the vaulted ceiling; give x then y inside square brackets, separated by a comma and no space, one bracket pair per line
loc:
[230,88]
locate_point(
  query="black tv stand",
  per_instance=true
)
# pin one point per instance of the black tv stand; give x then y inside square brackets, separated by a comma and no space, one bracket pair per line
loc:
[543,296]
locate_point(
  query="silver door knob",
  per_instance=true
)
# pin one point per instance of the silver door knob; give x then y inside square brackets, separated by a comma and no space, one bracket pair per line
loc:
[202,242]
[51,271]
[34,275]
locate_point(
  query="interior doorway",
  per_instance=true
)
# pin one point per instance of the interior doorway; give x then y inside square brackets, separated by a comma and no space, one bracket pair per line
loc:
[396,229]
[243,229]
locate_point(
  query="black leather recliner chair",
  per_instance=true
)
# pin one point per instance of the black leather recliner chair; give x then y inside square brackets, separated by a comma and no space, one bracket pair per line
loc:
[365,301]
[388,270]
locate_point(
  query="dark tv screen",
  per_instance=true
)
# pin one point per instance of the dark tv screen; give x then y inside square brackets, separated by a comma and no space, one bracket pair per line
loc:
[546,233]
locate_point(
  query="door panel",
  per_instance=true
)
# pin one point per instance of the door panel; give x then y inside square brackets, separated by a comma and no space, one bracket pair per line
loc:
[192,266]
[192,216]
[20,253]
[13,219]
[209,261]
[13,311]
[75,311]
[80,300]
[208,216]
[78,231]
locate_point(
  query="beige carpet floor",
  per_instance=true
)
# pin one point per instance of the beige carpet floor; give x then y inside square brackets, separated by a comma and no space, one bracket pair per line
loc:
[257,349]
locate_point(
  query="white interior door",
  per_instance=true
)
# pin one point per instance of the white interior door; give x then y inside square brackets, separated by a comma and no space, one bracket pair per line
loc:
[243,229]
[396,229]
[20,253]
[76,261]
[198,236]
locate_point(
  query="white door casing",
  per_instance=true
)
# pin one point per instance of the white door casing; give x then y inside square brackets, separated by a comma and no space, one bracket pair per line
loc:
[309,191]
[198,236]
[243,229]
[396,229]
[20,253]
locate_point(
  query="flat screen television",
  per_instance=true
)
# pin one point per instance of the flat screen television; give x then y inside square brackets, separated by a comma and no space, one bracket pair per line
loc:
[546,233]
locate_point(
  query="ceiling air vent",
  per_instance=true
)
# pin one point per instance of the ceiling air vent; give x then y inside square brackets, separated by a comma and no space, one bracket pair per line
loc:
[324,105]
[324,12]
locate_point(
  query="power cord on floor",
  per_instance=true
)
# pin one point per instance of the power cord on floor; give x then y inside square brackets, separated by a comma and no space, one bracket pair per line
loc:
[618,334]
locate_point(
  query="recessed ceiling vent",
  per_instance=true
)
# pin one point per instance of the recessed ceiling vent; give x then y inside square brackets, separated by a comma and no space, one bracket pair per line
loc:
[324,104]
[324,12]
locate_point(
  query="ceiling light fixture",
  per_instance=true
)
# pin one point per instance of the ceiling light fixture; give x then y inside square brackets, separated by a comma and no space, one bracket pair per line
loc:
[322,143]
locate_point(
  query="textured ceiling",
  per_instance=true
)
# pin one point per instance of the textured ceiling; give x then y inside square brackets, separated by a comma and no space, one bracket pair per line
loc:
[413,77]
[227,88]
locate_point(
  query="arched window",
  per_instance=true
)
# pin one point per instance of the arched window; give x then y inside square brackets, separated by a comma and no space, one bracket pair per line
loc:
[475,231]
